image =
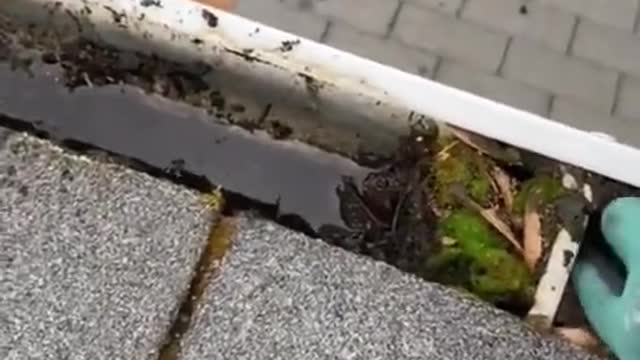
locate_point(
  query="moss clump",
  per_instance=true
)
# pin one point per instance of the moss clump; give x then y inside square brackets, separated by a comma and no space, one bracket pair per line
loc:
[545,187]
[477,259]
[460,164]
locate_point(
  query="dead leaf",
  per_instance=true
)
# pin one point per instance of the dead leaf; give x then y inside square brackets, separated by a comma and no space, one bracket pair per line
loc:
[490,215]
[485,146]
[503,182]
[532,234]
[580,337]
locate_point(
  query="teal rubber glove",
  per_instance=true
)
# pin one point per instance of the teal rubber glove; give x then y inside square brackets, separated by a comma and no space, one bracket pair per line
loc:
[611,297]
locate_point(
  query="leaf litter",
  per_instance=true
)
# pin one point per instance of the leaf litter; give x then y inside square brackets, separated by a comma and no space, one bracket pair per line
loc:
[468,220]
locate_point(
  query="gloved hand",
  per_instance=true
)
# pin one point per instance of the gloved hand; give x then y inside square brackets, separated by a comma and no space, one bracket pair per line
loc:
[611,301]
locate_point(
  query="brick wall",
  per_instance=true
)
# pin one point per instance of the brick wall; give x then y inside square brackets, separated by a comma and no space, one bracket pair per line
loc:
[576,61]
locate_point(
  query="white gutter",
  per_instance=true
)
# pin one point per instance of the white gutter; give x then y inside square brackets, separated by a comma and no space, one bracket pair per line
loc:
[168,30]
[378,100]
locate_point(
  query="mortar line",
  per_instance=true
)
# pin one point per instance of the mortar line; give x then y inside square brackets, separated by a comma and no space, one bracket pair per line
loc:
[572,36]
[325,32]
[436,67]
[550,102]
[458,13]
[636,22]
[394,19]
[503,58]
[616,94]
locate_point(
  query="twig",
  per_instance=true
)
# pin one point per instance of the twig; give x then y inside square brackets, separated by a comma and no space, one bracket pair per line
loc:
[485,146]
[444,153]
[87,80]
[503,182]
[490,215]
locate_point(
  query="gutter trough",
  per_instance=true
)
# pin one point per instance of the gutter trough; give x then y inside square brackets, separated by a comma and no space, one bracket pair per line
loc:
[218,73]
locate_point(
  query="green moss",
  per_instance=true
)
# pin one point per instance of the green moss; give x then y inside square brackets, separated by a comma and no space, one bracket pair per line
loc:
[472,233]
[479,260]
[497,274]
[480,189]
[462,165]
[449,267]
[547,188]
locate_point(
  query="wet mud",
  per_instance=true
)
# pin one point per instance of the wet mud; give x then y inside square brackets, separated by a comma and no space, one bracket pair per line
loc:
[178,137]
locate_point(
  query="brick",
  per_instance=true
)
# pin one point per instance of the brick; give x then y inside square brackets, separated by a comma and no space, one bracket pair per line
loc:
[628,104]
[587,118]
[445,35]
[543,68]
[608,46]
[545,24]
[617,13]
[274,13]
[373,16]
[448,6]
[493,87]
[385,51]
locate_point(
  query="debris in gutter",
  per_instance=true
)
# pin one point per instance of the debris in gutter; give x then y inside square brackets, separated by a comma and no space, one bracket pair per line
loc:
[289,45]
[210,18]
[118,17]
[148,3]
[490,215]
[499,200]
[582,338]
[486,146]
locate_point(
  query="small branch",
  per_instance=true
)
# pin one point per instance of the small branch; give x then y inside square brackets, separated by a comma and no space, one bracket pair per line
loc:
[490,215]
[503,183]
[485,146]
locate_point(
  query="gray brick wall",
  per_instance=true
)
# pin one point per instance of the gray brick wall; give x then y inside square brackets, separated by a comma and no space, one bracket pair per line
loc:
[614,48]
[379,49]
[442,34]
[628,104]
[542,68]
[550,26]
[615,13]
[366,15]
[580,116]
[577,61]
[447,6]
[494,87]
[305,24]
